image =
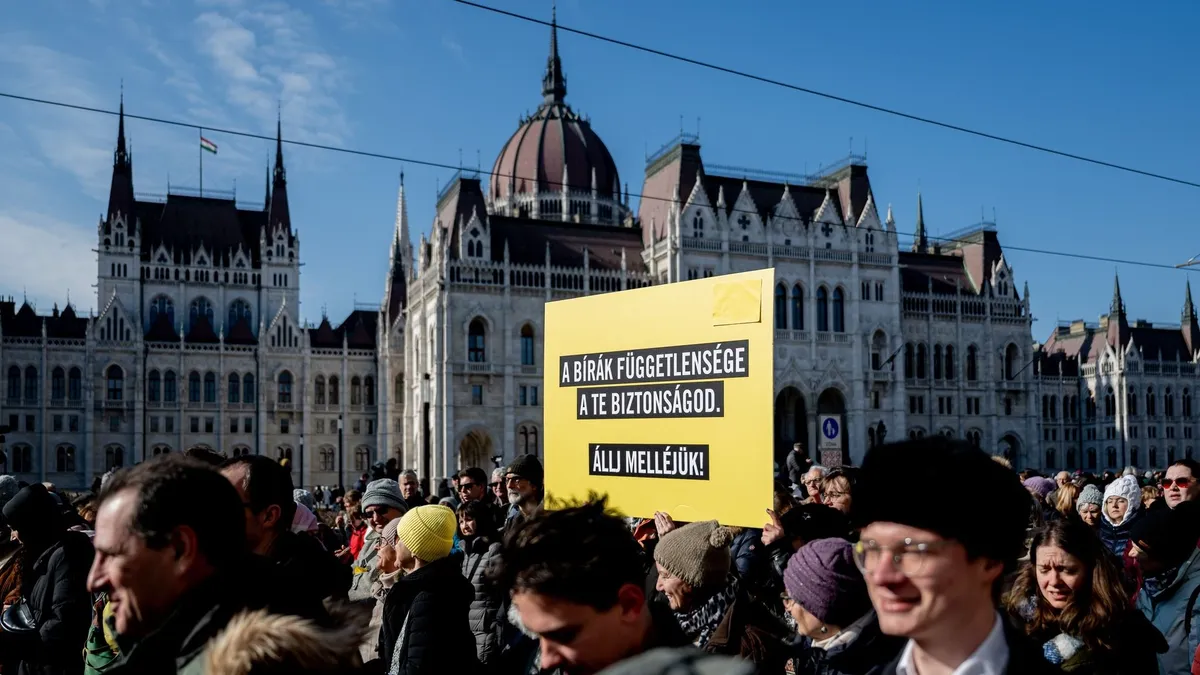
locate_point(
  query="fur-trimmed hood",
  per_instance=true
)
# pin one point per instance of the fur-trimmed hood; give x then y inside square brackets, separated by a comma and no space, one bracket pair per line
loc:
[261,643]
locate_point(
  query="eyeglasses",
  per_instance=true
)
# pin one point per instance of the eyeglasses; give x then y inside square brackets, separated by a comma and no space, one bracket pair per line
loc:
[1181,482]
[463,487]
[495,485]
[816,482]
[908,557]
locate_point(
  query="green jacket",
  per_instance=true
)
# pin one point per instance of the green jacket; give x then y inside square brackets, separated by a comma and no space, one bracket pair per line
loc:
[100,651]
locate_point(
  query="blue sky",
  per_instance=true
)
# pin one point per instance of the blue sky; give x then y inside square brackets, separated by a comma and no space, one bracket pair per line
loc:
[431,78]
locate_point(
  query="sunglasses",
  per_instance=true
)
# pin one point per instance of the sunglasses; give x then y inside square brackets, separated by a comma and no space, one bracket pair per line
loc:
[495,485]
[1181,482]
[463,487]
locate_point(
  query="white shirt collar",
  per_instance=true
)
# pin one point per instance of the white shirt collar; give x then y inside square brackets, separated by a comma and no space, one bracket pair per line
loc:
[989,658]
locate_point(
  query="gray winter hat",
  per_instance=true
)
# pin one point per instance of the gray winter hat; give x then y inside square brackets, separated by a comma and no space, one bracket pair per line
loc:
[683,661]
[1090,494]
[384,492]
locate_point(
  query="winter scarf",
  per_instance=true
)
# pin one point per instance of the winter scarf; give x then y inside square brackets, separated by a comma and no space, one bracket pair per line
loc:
[700,623]
[1065,651]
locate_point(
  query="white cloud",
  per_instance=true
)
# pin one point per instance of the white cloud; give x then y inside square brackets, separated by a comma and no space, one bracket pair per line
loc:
[45,258]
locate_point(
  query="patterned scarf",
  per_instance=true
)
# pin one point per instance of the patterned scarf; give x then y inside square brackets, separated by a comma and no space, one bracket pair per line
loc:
[700,623]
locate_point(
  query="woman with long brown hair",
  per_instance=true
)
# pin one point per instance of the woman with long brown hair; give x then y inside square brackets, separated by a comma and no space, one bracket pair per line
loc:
[1069,598]
[1064,503]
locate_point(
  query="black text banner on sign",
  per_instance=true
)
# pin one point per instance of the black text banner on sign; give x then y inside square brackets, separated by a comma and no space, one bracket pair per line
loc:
[661,398]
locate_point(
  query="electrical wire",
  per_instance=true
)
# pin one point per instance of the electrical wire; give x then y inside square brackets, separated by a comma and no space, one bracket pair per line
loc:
[442,165]
[835,97]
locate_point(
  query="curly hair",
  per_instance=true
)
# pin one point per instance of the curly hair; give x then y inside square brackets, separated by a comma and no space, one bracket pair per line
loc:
[1095,606]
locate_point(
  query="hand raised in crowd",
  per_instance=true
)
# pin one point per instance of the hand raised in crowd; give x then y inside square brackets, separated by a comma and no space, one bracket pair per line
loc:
[772,531]
[664,524]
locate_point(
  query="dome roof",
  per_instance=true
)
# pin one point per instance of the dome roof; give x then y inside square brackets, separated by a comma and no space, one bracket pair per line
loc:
[554,139]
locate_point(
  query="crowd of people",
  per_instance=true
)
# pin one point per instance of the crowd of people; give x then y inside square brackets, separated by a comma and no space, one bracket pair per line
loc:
[931,558]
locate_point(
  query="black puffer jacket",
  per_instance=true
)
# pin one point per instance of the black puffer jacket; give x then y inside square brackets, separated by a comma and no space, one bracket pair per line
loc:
[435,602]
[53,584]
[485,608]
[303,562]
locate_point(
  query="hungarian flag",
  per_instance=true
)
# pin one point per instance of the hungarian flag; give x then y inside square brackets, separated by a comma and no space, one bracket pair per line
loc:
[208,145]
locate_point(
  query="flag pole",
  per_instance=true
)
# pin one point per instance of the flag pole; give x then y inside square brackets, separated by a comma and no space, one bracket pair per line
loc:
[200,149]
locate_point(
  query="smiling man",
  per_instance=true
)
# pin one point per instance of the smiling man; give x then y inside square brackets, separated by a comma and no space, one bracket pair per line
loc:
[933,572]
[171,554]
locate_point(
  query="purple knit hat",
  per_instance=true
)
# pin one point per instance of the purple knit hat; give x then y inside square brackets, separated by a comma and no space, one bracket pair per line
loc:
[1041,486]
[823,578]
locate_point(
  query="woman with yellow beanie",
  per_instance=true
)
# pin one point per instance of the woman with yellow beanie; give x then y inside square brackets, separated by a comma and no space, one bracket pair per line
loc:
[426,627]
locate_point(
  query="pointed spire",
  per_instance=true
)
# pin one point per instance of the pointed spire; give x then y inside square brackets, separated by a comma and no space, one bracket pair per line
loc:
[280,173]
[554,83]
[921,238]
[1117,306]
[121,156]
[891,221]
[280,214]
[120,194]
[1189,308]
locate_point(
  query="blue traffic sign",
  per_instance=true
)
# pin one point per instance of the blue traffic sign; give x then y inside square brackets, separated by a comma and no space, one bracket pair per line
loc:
[830,428]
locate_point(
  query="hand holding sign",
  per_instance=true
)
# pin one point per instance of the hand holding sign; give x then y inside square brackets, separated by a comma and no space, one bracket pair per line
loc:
[772,531]
[664,524]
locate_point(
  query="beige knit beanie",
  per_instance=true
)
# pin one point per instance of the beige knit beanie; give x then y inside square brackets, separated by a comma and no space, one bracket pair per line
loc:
[697,553]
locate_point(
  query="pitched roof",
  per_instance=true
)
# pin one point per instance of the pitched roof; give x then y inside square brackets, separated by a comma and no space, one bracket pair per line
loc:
[920,271]
[184,223]
[358,330]
[527,240]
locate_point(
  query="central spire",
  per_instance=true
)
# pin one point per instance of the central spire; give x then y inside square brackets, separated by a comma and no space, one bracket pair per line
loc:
[920,239]
[554,83]
[121,157]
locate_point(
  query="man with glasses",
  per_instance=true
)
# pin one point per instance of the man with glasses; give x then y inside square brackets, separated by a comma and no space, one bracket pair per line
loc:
[381,504]
[473,487]
[812,483]
[933,571]
[523,481]
[1179,485]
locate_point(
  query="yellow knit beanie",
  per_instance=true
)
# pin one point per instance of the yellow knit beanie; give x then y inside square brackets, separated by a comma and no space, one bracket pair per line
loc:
[428,531]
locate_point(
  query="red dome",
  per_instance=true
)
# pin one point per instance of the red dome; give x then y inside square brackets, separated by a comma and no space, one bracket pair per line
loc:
[555,137]
[532,160]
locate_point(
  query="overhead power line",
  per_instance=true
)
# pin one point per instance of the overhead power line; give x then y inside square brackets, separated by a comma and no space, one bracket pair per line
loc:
[455,167]
[840,99]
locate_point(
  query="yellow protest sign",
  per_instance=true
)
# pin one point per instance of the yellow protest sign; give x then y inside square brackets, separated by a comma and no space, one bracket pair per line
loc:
[661,398]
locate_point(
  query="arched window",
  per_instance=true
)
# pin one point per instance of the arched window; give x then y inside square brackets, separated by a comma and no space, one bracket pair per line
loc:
[1045,407]
[114,457]
[909,361]
[527,356]
[114,379]
[1169,403]
[239,309]
[839,310]
[1134,456]
[154,387]
[160,450]
[1011,356]
[14,383]
[200,308]
[1131,395]
[241,451]
[797,307]
[328,462]
[1071,463]
[398,389]
[949,362]
[1112,457]
[319,390]
[170,388]
[285,387]
[1053,407]
[285,452]
[65,458]
[476,346]
[972,363]
[1170,455]
[210,387]
[22,458]
[1091,459]
[697,226]
[527,439]
[1151,402]
[1110,403]
[369,390]
[1153,457]
[58,384]
[247,388]
[780,306]
[922,358]
[194,387]
[822,309]
[1091,406]
[235,388]
[334,393]
[937,362]
[161,305]
[31,384]
[362,458]
[355,391]
[975,438]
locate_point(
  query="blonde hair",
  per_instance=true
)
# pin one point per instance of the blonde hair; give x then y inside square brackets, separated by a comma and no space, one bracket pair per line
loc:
[1150,493]
[1002,461]
[1067,494]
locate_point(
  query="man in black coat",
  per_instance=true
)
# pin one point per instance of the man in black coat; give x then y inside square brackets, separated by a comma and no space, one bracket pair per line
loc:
[934,571]
[171,554]
[266,491]
[53,584]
